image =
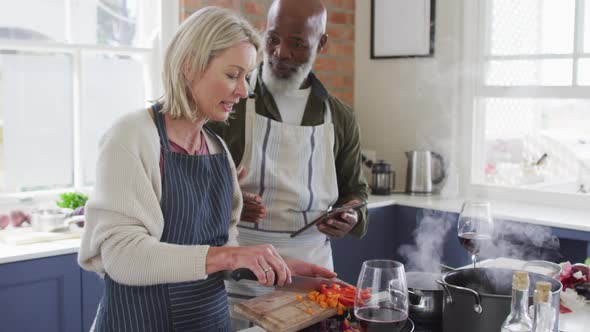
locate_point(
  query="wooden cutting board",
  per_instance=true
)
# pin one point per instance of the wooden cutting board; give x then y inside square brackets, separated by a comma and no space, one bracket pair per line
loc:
[280,311]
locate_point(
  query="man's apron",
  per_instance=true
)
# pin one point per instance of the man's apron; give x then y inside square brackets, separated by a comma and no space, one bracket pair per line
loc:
[293,169]
[196,204]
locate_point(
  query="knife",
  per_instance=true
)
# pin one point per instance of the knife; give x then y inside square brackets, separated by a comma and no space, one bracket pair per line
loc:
[298,283]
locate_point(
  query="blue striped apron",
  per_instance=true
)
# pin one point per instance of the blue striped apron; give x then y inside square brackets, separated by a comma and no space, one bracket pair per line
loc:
[196,204]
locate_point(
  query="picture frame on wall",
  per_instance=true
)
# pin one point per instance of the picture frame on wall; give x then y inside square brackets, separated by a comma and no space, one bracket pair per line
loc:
[402,28]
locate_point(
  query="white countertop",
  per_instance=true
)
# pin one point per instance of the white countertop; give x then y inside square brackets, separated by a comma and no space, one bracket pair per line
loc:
[16,253]
[564,218]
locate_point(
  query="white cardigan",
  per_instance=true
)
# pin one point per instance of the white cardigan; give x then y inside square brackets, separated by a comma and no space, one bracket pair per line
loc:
[124,221]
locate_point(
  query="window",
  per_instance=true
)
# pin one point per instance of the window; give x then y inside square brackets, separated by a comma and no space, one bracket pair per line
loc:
[528,94]
[68,68]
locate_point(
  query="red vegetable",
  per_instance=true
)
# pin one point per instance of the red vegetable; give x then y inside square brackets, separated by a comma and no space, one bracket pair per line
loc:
[19,217]
[4,221]
[572,275]
[346,294]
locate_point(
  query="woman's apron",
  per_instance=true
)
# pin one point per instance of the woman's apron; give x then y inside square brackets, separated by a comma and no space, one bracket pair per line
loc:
[196,204]
[293,169]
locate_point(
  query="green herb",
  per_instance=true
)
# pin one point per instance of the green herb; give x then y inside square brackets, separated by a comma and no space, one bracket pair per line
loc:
[587,262]
[72,200]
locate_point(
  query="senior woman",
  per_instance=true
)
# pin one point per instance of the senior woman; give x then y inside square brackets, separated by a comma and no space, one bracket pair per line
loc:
[162,218]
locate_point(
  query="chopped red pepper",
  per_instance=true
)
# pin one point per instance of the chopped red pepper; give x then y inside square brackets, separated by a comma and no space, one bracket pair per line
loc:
[344,294]
[347,301]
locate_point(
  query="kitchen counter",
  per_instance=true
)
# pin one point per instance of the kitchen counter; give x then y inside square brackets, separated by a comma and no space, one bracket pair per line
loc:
[16,253]
[570,219]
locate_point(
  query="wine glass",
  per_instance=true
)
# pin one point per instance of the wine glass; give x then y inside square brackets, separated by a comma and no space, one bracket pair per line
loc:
[475,227]
[381,299]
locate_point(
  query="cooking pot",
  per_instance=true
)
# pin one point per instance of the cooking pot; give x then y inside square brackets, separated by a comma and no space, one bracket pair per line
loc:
[50,220]
[479,299]
[425,297]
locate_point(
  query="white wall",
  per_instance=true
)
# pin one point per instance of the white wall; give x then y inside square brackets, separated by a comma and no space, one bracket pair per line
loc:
[409,103]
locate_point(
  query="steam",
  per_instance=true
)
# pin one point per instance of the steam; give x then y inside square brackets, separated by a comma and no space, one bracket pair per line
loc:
[511,240]
[425,254]
[522,241]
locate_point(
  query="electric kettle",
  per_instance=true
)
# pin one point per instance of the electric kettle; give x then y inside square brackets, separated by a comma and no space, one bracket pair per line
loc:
[419,179]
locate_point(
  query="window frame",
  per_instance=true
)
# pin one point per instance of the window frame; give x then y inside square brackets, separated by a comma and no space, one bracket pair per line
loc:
[469,136]
[169,15]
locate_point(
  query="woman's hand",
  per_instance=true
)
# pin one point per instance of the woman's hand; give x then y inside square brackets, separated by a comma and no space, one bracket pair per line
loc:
[305,269]
[263,260]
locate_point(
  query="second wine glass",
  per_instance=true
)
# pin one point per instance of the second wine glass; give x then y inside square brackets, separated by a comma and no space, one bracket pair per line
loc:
[381,299]
[475,227]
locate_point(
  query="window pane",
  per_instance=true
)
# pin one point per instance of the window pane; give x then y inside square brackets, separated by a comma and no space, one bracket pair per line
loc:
[519,132]
[529,72]
[36,114]
[111,86]
[33,20]
[587,27]
[531,27]
[584,72]
[116,22]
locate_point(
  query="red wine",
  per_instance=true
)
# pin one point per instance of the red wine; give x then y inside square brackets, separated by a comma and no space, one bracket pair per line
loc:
[472,242]
[374,319]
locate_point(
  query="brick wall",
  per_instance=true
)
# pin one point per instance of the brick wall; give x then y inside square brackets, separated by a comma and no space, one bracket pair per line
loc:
[335,66]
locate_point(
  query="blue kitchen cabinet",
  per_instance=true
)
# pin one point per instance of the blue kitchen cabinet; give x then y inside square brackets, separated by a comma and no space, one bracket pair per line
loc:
[48,294]
[429,227]
[92,289]
[40,295]
[512,239]
[392,227]
[349,253]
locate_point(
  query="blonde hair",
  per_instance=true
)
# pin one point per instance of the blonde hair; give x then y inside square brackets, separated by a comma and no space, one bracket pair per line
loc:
[200,38]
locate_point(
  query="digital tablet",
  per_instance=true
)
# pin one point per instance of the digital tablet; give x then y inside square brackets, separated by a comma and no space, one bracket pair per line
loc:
[330,213]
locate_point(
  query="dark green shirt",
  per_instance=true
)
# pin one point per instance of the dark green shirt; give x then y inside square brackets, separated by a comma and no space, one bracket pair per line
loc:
[347,149]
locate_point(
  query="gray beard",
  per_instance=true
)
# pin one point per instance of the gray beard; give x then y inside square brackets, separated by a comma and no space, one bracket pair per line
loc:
[279,86]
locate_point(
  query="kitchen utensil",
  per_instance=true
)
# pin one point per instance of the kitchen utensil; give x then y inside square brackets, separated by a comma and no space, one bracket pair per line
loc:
[282,311]
[554,268]
[50,220]
[383,178]
[583,290]
[474,227]
[298,283]
[409,326]
[419,179]
[330,213]
[479,299]
[386,309]
[425,297]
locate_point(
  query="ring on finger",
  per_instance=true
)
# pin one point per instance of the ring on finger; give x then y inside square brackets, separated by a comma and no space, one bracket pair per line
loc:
[267,269]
